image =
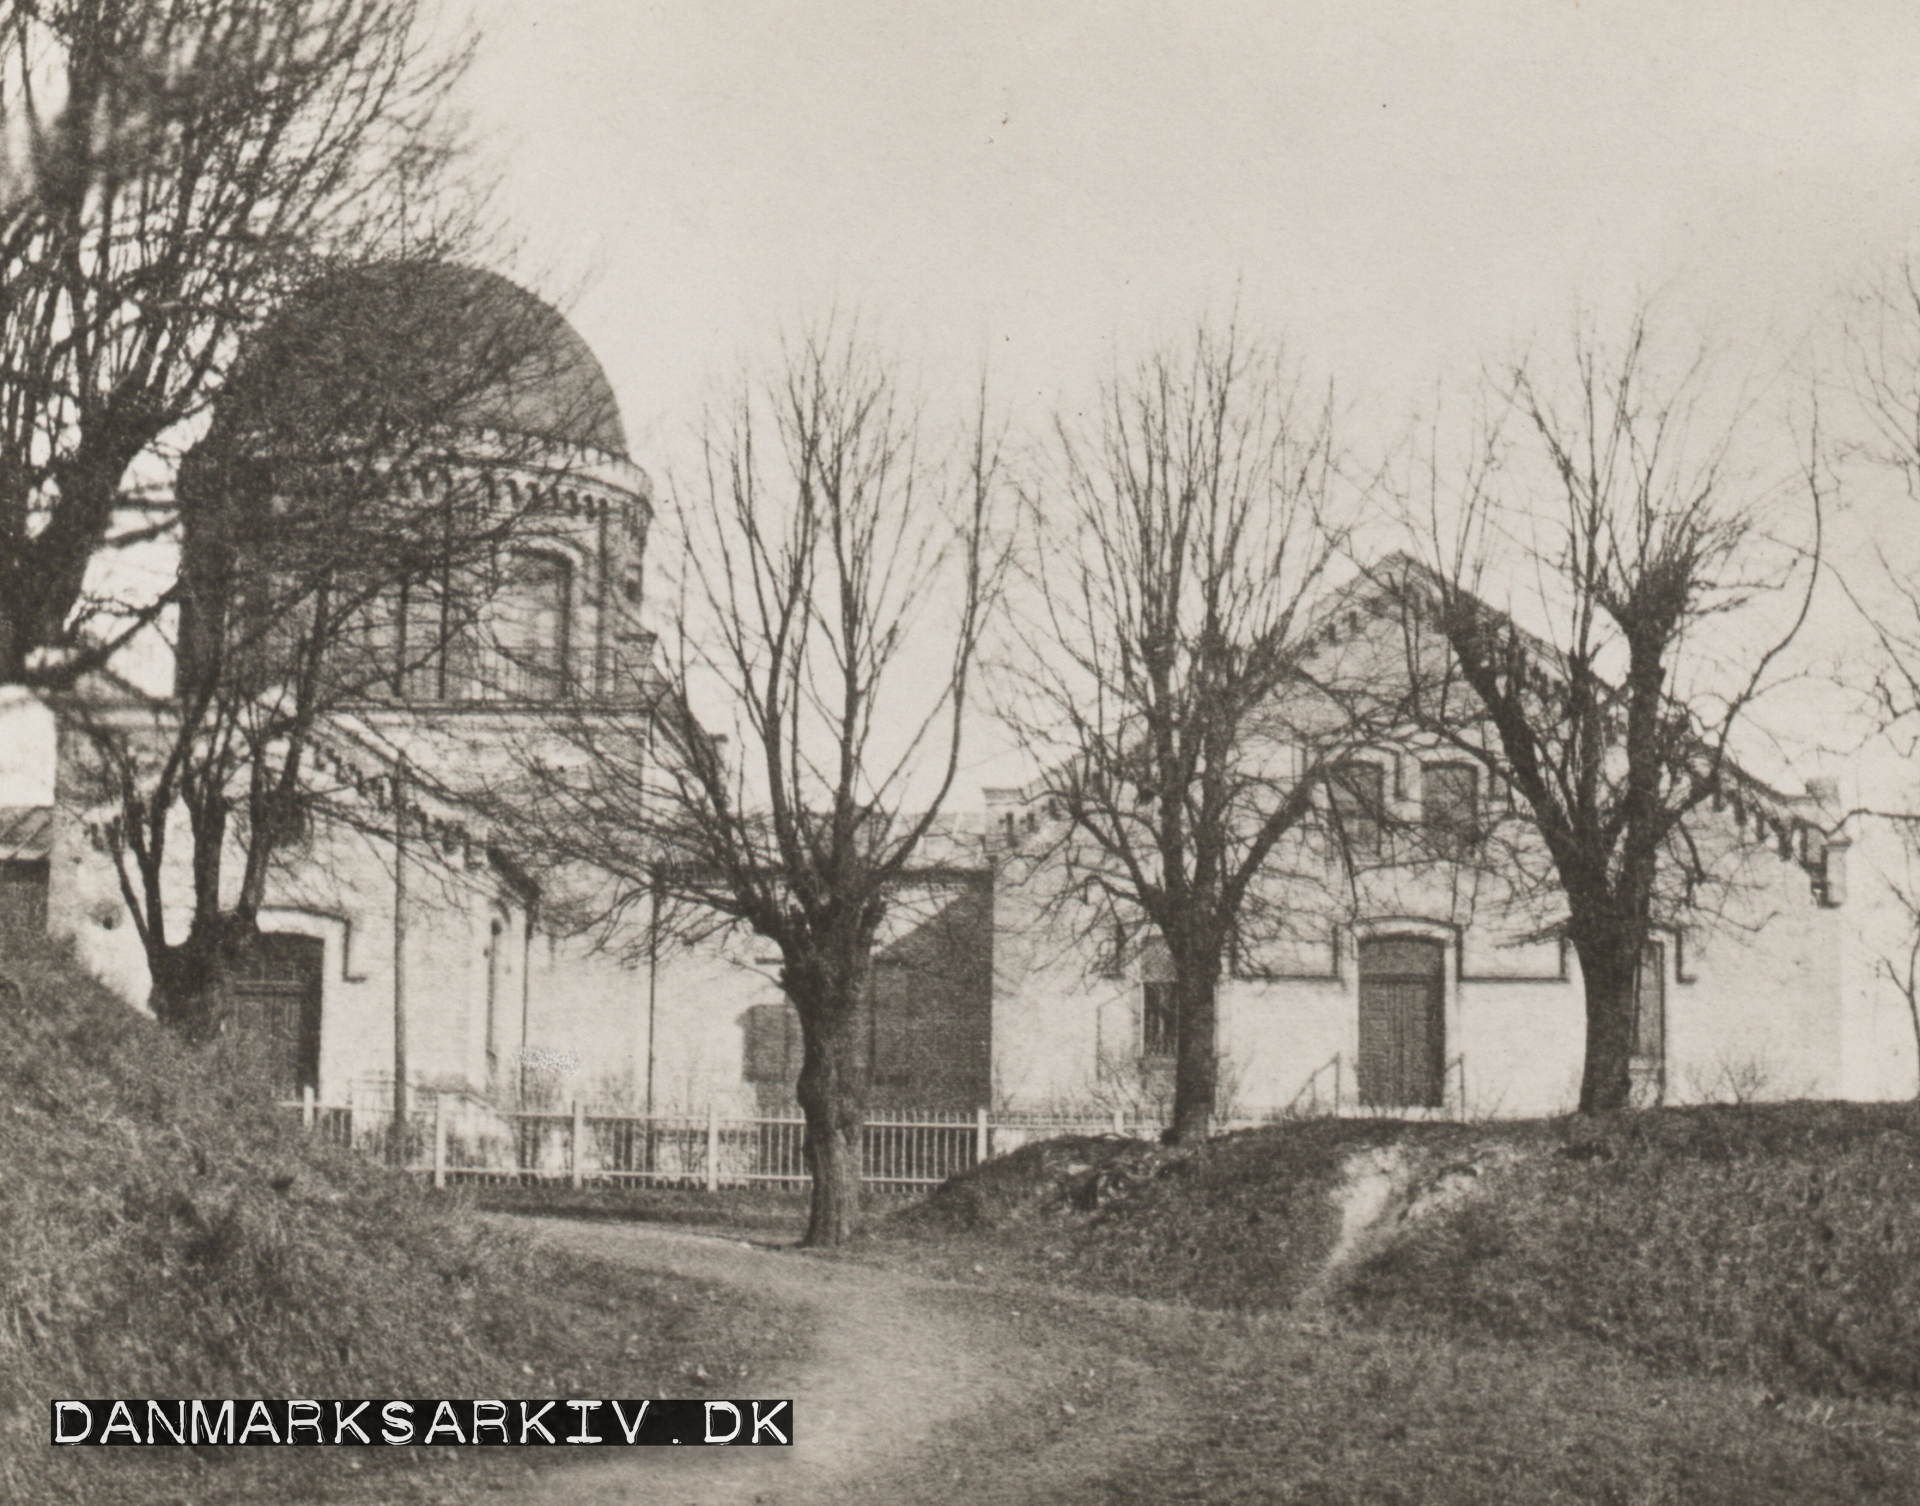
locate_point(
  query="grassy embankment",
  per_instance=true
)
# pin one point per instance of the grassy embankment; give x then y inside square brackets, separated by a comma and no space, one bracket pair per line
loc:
[1714,1304]
[165,1232]
[1779,1243]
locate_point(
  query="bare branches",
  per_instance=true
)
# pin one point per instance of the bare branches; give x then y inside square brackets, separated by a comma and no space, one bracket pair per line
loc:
[1608,502]
[791,767]
[1883,381]
[359,524]
[1168,684]
[174,166]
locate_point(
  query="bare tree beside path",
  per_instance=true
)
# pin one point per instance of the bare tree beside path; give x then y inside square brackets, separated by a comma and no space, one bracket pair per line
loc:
[1586,619]
[787,773]
[1170,683]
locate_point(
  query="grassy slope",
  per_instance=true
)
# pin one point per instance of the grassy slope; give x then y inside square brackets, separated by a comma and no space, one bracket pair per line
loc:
[1778,1243]
[165,1233]
[1587,1324]
[1775,1242]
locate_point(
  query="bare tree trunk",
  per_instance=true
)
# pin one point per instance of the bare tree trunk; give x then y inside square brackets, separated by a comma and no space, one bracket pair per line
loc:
[190,978]
[1608,970]
[1196,1059]
[829,1094]
[15,637]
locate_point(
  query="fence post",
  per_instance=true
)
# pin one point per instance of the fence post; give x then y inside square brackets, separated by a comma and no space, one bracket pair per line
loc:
[439,1139]
[306,1106]
[980,1134]
[1119,1121]
[575,1159]
[713,1146]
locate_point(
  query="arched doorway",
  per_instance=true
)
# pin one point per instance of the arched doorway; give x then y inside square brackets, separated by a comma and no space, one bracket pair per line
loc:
[1402,1022]
[277,995]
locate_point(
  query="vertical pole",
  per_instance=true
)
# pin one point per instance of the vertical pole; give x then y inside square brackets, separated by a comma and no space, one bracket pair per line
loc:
[713,1146]
[306,1106]
[526,1009]
[1119,1121]
[1336,1084]
[399,1148]
[439,1139]
[980,1135]
[653,980]
[576,1150]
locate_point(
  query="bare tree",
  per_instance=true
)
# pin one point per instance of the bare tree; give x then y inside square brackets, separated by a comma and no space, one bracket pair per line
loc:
[1170,686]
[348,519]
[1883,381]
[835,583]
[170,167]
[1594,508]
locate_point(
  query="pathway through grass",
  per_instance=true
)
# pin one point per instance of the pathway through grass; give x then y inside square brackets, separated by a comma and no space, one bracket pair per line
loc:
[888,1367]
[993,1389]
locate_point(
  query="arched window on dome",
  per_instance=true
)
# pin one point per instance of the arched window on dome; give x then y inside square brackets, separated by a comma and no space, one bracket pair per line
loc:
[363,658]
[526,650]
[435,641]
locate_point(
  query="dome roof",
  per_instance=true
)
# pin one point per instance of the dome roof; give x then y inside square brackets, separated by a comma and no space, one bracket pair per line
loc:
[401,344]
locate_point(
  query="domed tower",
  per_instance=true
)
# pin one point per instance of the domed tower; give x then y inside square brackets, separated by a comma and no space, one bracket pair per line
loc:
[433,456]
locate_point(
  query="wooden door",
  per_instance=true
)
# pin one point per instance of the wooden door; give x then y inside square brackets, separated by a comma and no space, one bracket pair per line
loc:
[1402,1022]
[277,995]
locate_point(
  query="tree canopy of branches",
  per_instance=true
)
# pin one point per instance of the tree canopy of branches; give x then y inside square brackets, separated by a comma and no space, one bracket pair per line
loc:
[1883,373]
[1606,509]
[347,524]
[836,578]
[1169,689]
[169,169]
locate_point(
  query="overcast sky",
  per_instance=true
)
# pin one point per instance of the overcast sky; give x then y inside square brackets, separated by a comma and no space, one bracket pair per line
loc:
[1403,190]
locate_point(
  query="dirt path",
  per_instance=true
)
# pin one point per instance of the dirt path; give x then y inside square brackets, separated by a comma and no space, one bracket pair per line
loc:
[898,1362]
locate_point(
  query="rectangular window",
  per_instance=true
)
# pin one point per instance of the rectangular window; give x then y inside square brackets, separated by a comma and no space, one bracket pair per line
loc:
[893,1049]
[772,1044]
[1159,1026]
[1358,792]
[1450,807]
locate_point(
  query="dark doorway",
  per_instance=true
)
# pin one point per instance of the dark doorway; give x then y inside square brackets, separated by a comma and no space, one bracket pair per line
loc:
[277,995]
[1402,1022]
[23,896]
